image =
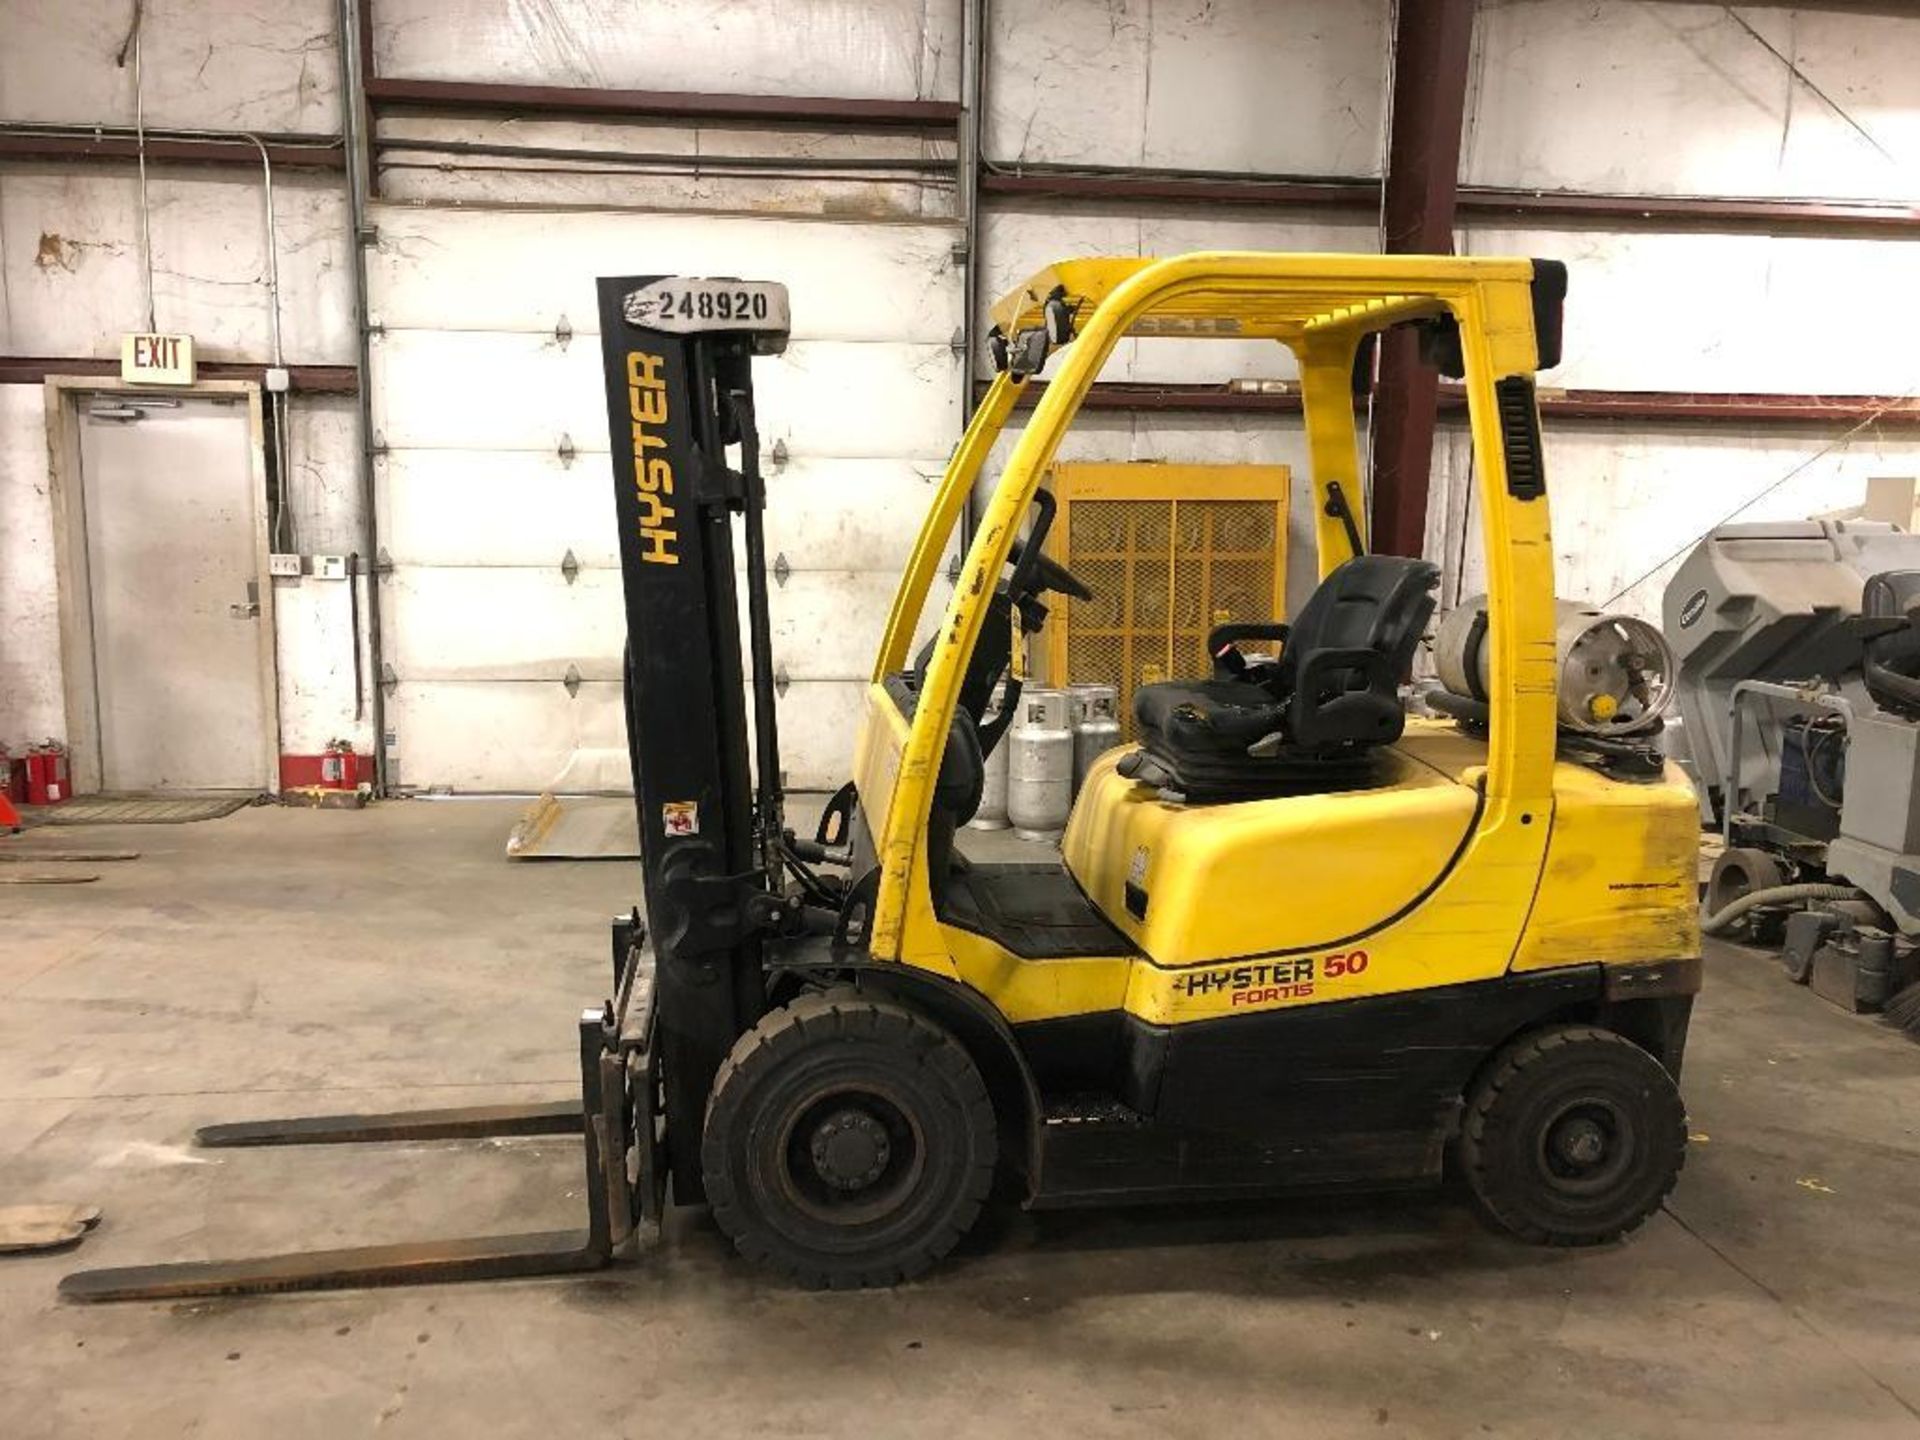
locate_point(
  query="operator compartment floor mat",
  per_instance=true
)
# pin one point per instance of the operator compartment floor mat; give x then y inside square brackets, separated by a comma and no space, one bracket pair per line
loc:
[1034,909]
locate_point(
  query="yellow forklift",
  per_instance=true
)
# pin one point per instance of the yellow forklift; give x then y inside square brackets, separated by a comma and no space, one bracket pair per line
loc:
[1294,940]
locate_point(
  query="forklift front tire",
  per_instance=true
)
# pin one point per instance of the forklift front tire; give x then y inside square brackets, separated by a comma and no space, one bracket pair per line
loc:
[1573,1136]
[849,1142]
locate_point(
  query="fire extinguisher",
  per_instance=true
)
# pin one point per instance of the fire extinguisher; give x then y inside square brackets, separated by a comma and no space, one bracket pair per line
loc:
[339,767]
[47,782]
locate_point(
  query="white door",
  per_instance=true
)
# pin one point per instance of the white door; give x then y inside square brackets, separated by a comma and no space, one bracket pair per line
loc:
[175,587]
[501,609]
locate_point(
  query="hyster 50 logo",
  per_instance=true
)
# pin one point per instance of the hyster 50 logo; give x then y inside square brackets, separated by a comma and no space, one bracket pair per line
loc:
[1262,982]
[652,477]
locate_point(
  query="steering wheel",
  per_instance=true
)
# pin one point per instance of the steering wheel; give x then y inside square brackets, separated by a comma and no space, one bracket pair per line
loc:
[992,658]
[1047,574]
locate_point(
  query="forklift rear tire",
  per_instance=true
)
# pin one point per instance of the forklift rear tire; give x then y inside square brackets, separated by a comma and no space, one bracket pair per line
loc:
[849,1142]
[1573,1136]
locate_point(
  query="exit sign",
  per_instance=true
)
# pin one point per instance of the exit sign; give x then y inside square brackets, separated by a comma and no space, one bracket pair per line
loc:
[156,359]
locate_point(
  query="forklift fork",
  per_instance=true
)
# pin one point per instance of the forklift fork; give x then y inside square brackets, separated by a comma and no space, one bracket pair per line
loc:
[617,1116]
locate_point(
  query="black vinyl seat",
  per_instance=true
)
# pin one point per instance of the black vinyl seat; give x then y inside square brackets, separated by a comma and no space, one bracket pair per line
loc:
[1307,721]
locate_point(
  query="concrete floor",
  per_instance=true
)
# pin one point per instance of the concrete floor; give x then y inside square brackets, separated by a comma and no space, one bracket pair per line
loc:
[295,961]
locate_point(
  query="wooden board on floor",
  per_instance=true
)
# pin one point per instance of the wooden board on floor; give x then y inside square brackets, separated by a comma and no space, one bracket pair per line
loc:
[27,1228]
[30,856]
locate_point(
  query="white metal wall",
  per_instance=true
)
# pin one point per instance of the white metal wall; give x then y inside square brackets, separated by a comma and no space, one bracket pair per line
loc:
[218,64]
[71,283]
[1246,85]
[1679,99]
[1700,99]
[871,49]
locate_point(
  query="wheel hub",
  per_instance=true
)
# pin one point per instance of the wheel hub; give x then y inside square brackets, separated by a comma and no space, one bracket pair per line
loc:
[850,1149]
[1580,1142]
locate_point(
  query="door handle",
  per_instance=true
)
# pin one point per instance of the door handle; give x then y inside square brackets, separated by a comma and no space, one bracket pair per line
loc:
[250,610]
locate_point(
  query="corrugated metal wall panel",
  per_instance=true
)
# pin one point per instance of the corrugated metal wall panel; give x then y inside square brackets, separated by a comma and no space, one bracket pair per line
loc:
[1244,85]
[1627,505]
[1792,313]
[1676,99]
[890,49]
[276,70]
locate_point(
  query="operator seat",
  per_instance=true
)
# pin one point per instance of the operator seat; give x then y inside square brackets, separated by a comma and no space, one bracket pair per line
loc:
[1307,721]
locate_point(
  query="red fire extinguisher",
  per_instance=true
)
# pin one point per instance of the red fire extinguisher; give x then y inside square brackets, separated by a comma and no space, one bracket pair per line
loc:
[47,782]
[339,766]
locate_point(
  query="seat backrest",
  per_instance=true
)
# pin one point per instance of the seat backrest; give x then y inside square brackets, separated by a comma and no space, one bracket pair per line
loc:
[1375,603]
[1371,602]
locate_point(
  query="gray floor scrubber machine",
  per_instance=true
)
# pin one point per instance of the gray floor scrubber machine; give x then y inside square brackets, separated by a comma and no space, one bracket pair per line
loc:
[1799,695]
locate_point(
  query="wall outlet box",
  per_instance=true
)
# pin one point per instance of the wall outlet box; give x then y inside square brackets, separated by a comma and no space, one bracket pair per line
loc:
[284,567]
[278,380]
[329,567]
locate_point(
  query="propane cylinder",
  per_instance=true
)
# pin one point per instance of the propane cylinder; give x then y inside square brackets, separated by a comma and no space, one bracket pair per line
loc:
[992,814]
[1614,673]
[1094,709]
[1040,766]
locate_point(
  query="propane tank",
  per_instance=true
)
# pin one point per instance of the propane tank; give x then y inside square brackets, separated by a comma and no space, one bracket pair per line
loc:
[992,814]
[1040,766]
[1614,673]
[1094,709]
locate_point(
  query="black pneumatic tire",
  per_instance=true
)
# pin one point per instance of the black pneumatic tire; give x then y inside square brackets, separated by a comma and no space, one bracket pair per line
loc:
[849,1142]
[1573,1136]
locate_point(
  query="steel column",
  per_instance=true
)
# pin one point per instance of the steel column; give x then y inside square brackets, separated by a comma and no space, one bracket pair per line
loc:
[1432,45]
[354,36]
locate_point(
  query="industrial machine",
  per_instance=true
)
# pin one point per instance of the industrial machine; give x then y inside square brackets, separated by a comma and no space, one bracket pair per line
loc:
[1799,684]
[1292,940]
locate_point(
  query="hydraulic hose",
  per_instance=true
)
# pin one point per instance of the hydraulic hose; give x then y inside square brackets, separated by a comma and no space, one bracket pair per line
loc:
[1775,895]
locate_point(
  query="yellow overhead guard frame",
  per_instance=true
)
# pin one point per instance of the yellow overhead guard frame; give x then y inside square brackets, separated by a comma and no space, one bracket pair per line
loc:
[1320,307]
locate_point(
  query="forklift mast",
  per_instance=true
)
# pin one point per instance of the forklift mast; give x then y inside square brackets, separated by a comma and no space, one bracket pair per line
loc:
[714,850]
[678,355]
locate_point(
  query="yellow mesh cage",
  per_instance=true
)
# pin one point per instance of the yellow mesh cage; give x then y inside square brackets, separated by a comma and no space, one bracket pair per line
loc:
[1170,551]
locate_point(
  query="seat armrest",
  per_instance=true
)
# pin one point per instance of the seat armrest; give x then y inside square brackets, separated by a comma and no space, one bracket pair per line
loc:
[1316,665]
[1327,707]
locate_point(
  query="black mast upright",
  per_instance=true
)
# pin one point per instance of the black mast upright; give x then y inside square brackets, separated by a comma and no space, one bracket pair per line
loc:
[678,356]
